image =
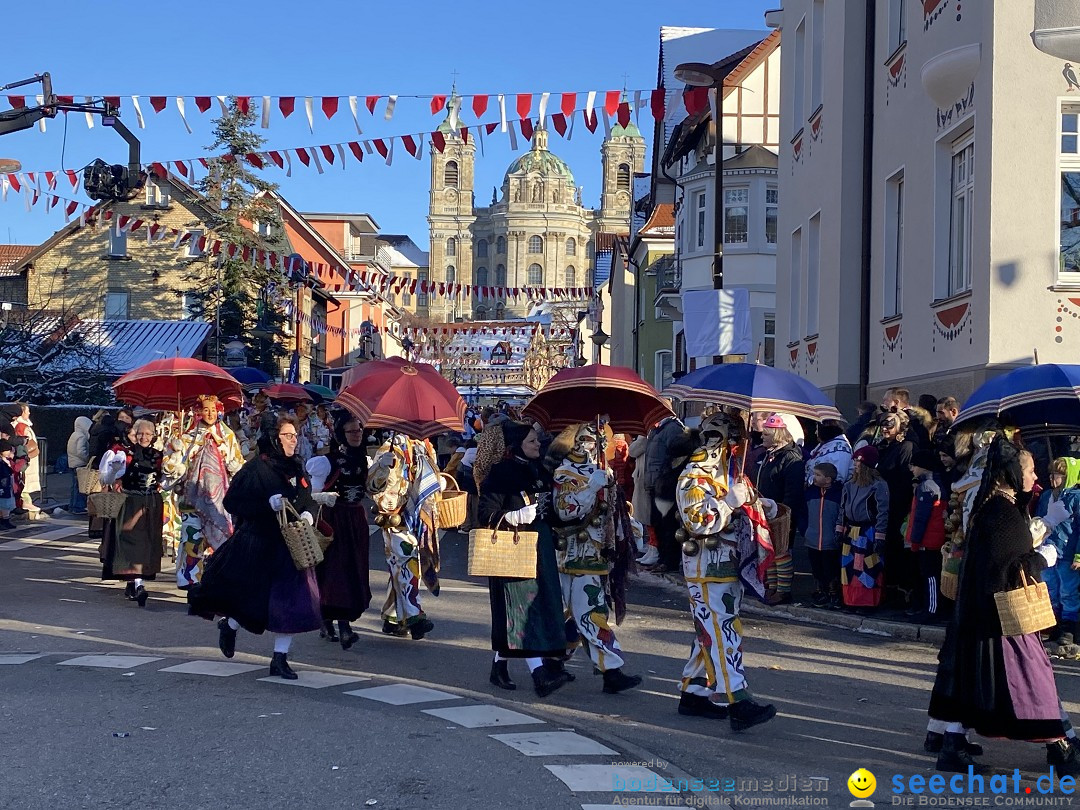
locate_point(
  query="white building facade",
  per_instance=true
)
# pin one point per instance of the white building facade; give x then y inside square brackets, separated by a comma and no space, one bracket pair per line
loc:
[933,245]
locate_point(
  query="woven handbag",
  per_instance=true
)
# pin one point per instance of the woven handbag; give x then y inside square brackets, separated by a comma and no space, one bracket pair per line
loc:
[1026,609]
[89,478]
[495,553]
[108,504]
[780,529]
[300,538]
[452,504]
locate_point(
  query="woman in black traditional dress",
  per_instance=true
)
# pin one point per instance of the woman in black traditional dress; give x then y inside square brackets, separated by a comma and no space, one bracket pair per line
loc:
[131,544]
[526,614]
[1000,686]
[343,575]
[251,579]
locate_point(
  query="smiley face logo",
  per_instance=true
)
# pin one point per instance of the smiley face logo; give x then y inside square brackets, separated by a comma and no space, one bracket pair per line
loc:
[862,784]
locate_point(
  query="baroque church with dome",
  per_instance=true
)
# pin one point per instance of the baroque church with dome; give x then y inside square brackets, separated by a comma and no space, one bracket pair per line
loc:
[535,233]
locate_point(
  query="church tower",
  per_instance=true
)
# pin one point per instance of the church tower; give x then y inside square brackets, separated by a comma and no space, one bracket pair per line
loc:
[450,222]
[623,155]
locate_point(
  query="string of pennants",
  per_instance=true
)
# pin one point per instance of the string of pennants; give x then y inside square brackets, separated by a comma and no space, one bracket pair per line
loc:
[337,278]
[322,156]
[508,104]
[548,332]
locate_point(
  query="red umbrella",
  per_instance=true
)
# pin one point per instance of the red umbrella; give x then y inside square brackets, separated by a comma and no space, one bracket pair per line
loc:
[176,383]
[410,398]
[287,392]
[577,395]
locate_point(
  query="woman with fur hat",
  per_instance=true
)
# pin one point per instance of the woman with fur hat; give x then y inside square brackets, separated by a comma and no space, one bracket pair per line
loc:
[526,614]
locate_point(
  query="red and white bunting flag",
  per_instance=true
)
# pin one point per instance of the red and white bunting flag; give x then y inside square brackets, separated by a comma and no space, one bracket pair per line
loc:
[70,208]
[180,168]
[265,108]
[243,104]
[524,105]
[315,157]
[623,111]
[558,121]
[302,154]
[590,119]
[381,147]
[254,159]
[17,102]
[309,110]
[391,102]
[611,102]
[330,106]
[371,101]
[286,104]
[526,128]
[203,103]
[355,118]
[656,103]
[569,104]
[138,112]
[276,157]
[358,152]
[50,179]
[328,153]
[695,99]
[479,105]
[438,103]
[438,140]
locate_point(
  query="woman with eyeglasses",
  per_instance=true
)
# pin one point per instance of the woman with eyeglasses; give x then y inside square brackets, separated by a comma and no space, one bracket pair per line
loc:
[343,574]
[131,545]
[251,579]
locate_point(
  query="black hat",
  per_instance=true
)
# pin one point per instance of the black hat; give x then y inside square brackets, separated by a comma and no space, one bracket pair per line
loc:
[514,433]
[927,459]
[6,445]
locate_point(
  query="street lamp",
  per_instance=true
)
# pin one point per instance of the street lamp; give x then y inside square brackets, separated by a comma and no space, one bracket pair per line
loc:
[599,338]
[700,74]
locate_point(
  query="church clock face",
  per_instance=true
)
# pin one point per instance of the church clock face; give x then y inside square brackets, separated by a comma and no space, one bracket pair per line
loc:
[451,195]
[622,198]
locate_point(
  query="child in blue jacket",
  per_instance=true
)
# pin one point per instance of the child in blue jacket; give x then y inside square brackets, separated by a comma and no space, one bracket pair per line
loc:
[1063,577]
[822,542]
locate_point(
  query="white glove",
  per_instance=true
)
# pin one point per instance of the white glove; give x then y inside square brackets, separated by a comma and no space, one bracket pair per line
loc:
[599,479]
[277,503]
[523,516]
[116,462]
[1056,513]
[307,516]
[1049,553]
[769,505]
[325,498]
[737,495]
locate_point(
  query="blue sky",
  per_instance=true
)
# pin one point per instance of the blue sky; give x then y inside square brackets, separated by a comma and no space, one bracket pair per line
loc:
[331,48]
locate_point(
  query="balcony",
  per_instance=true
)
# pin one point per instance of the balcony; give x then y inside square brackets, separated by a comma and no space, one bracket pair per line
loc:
[668,300]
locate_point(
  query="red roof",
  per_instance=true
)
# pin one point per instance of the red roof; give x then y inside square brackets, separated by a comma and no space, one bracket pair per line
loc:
[11,257]
[663,216]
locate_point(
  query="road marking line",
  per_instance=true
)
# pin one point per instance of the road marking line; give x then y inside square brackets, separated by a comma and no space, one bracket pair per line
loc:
[109,661]
[217,669]
[315,680]
[402,694]
[482,716]
[601,778]
[552,743]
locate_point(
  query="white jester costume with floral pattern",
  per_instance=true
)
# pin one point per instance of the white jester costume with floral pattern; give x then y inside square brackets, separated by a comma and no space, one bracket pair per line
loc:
[586,543]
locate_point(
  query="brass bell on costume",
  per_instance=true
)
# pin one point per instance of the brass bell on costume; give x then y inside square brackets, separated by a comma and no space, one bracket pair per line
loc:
[395,520]
[596,522]
[682,535]
[560,543]
[690,548]
[712,542]
[583,536]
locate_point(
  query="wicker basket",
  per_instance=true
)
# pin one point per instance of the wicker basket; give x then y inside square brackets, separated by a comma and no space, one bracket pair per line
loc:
[301,539]
[950,585]
[89,478]
[108,504]
[780,530]
[495,553]
[1026,609]
[452,504]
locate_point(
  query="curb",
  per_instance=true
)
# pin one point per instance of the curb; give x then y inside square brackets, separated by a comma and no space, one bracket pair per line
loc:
[930,634]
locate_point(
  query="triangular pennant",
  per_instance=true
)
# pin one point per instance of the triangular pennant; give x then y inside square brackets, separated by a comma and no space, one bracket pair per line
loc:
[479,105]
[286,104]
[157,102]
[330,106]
[611,102]
[438,140]
[358,152]
[203,103]
[527,128]
[371,101]
[328,153]
[558,121]
[624,114]
[305,158]
[437,104]
[569,104]
[524,105]
[590,119]
[243,104]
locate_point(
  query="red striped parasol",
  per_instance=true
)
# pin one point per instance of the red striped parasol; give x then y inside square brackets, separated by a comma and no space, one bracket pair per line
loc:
[410,398]
[578,395]
[289,393]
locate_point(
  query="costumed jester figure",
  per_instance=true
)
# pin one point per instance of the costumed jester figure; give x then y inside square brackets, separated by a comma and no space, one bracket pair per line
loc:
[584,493]
[402,483]
[201,461]
[725,544]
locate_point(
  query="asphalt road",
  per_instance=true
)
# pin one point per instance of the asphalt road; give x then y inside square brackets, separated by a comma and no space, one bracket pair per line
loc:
[846,700]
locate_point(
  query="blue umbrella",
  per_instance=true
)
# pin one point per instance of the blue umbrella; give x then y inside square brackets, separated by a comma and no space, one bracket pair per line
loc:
[753,387]
[249,377]
[1045,396]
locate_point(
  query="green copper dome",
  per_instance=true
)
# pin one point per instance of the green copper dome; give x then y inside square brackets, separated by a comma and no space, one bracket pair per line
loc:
[538,159]
[629,131]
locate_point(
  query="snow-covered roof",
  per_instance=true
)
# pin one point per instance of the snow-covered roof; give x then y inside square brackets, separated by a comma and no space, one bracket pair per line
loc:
[392,257]
[129,344]
[404,244]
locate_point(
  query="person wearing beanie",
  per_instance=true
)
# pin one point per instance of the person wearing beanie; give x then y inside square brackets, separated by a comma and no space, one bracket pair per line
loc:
[864,516]
[926,529]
